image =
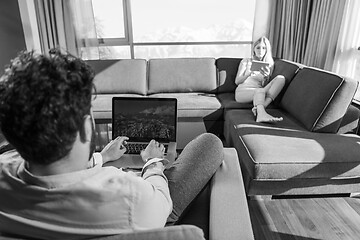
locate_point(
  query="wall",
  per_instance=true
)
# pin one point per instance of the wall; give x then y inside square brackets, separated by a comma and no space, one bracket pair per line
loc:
[11,32]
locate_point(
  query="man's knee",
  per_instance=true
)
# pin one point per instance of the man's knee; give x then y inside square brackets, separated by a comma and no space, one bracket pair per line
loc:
[211,139]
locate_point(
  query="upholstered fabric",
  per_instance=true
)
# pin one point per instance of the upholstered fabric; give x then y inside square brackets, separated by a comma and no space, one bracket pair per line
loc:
[195,104]
[285,158]
[102,104]
[173,233]
[318,99]
[350,121]
[228,101]
[120,76]
[244,117]
[287,69]
[224,222]
[300,154]
[227,70]
[168,233]
[182,75]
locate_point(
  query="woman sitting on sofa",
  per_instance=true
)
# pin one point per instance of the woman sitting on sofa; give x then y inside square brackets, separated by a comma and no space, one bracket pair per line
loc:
[253,83]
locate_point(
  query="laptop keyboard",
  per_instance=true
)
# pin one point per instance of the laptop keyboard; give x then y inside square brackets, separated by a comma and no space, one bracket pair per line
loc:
[136,148]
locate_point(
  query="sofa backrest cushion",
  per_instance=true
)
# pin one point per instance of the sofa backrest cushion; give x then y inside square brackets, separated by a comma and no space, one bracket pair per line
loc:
[287,69]
[227,70]
[318,99]
[120,76]
[182,75]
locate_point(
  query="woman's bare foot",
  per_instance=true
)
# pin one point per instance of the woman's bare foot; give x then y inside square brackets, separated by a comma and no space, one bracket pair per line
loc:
[263,116]
[267,118]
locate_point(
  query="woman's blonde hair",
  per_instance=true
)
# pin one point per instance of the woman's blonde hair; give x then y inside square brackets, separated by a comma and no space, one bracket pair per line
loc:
[268,55]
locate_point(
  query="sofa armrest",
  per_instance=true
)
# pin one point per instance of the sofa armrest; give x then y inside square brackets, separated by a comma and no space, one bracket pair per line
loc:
[182,232]
[229,212]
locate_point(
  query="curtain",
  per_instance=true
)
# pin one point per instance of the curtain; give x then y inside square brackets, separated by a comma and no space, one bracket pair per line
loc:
[347,56]
[305,31]
[324,30]
[49,15]
[83,24]
[288,24]
[68,24]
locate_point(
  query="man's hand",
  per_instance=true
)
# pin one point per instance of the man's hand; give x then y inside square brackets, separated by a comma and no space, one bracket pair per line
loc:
[114,149]
[153,150]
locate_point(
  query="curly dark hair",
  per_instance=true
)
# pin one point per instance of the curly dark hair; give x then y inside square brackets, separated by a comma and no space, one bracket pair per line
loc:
[43,101]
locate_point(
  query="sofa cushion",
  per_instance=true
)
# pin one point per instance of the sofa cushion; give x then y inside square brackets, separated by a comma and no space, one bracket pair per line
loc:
[195,105]
[182,75]
[287,69]
[120,76]
[318,99]
[102,104]
[290,156]
[350,121]
[243,117]
[228,101]
[284,158]
[227,70]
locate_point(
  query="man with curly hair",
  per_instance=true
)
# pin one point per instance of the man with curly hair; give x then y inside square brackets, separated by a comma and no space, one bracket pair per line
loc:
[53,185]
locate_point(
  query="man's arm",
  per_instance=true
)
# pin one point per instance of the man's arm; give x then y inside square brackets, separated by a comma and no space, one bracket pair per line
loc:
[154,203]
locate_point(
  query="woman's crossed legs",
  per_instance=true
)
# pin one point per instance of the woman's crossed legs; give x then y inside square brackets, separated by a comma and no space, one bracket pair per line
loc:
[261,98]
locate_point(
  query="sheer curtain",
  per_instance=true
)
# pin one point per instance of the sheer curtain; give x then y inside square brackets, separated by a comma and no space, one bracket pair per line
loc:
[68,24]
[85,41]
[347,56]
[305,31]
[50,19]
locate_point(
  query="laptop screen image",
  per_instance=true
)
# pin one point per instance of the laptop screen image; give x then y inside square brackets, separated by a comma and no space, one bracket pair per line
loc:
[142,119]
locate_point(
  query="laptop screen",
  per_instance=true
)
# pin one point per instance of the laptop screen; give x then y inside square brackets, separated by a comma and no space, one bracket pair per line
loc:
[142,119]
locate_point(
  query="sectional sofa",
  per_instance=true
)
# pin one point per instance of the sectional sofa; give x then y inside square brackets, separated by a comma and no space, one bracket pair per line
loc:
[310,152]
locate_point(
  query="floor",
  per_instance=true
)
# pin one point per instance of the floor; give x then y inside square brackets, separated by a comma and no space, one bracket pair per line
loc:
[306,219]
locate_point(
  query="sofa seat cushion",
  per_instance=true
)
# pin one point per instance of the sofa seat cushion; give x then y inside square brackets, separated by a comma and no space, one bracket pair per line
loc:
[228,101]
[285,153]
[237,117]
[196,105]
[102,104]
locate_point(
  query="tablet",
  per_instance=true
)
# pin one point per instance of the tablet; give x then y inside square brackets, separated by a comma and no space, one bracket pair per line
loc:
[257,65]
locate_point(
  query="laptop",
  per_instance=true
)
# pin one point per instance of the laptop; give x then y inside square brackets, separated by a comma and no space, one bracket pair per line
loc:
[142,119]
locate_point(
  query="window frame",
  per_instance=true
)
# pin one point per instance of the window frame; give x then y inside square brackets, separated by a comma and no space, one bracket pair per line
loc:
[128,40]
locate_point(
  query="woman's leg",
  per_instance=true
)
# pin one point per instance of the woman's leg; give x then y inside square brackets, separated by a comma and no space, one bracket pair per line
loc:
[192,170]
[273,89]
[263,97]
[244,95]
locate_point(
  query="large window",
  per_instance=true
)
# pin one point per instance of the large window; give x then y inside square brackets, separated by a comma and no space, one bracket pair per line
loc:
[176,28]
